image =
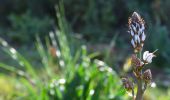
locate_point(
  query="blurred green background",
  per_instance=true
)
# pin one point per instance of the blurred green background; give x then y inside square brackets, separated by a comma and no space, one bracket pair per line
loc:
[78,42]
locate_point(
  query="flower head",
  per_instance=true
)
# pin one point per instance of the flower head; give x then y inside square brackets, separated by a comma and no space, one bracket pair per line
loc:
[147,57]
[147,75]
[136,29]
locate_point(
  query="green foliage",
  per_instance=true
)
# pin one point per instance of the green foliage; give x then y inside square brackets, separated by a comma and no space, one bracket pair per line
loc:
[160,39]
[64,74]
[25,26]
[95,17]
[95,20]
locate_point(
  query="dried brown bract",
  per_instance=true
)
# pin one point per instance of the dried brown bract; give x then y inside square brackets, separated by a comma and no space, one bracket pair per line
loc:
[147,75]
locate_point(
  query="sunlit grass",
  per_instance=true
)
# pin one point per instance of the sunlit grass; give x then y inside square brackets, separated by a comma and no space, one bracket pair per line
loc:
[64,73]
[157,94]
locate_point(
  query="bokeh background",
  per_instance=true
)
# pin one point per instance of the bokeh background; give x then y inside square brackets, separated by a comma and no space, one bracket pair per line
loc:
[62,47]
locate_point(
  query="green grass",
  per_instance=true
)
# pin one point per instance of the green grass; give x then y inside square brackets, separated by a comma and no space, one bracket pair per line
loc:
[157,94]
[66,73]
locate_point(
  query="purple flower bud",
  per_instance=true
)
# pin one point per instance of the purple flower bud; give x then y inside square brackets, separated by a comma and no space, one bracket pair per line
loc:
[136,29]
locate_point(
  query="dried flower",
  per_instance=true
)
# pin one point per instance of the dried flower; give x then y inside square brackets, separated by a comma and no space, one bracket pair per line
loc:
[127,84]
[136,29]
[137,66]
[147,57]
[137,73]
[136,62]
[147,75]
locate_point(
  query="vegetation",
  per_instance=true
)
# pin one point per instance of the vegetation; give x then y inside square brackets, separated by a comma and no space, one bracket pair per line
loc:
[81,58]
[63,74]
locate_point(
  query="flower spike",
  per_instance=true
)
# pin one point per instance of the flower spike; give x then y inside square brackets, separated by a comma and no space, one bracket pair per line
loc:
[136,29]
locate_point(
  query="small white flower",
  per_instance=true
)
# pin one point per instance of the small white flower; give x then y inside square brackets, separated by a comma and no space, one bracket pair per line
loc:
[153,84]
[147,57]
[92,92]
[62,81]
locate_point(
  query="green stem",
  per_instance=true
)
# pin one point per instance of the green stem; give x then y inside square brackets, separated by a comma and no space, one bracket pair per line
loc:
[140,54]
[139,95]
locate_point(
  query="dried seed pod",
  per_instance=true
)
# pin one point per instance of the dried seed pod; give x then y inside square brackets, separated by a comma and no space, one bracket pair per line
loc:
[127,84]
[147,76]
[137,66]
[136,29]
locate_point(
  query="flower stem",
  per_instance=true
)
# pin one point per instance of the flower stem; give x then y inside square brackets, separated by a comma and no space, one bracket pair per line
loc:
[139,95]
